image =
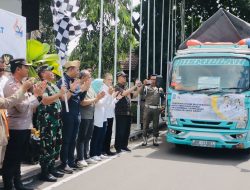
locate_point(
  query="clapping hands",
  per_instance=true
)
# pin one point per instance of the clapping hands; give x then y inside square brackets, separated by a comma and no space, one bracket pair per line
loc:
[73,85]
[39,88]
[27,84]
[86,85]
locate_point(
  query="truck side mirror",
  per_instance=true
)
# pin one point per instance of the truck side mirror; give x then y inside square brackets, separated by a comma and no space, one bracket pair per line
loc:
[169,71]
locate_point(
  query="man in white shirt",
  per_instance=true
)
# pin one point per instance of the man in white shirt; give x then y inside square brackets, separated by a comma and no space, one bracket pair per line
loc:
[110,111]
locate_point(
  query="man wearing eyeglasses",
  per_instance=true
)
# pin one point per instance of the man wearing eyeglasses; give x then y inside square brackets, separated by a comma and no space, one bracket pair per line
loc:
[3,78]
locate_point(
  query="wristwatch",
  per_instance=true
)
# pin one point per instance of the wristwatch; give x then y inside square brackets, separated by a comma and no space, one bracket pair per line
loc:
[71,91]
[39,98]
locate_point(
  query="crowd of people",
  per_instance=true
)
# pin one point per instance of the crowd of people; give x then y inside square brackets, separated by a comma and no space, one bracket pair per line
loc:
[74,113]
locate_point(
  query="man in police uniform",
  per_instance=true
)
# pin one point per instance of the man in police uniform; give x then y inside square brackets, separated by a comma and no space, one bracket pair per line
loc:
[152,96]
[19,122]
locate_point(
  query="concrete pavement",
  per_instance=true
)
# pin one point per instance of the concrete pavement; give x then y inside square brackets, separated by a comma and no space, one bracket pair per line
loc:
[31,172]
[167,168]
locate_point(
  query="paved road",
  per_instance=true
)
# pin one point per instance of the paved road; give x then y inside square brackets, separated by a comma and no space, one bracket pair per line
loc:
[163,168]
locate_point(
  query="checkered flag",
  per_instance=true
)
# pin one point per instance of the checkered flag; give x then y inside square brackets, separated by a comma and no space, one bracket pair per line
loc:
[66,26]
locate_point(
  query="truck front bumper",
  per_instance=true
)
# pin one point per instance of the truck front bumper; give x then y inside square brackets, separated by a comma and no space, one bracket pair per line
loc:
[215,138]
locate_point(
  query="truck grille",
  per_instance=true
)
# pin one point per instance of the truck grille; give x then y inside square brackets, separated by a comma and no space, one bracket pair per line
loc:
[206,126]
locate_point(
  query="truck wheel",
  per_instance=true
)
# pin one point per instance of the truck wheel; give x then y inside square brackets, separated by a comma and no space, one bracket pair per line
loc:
[246,151]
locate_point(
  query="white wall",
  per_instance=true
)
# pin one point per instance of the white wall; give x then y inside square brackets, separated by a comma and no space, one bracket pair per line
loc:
[14,6]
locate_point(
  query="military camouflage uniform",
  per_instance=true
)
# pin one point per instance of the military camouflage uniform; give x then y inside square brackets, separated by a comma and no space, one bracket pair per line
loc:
[49,123]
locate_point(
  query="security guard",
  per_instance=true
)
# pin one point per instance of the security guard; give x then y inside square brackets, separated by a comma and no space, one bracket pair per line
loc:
[49,123]
[152,95]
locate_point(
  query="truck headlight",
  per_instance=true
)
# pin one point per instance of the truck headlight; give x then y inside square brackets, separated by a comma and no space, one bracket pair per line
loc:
[241,125]
[241,136]
[173,121]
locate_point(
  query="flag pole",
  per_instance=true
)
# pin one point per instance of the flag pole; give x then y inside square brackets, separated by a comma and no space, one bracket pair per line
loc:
[148,37]
[168,58]
[139,71]
[116,26]
[63,84]
[100,42]
[154,41]
[130,47]
[162,39]
[162,30]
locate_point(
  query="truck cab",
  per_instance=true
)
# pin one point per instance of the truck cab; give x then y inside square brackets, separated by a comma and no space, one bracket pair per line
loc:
[208,96]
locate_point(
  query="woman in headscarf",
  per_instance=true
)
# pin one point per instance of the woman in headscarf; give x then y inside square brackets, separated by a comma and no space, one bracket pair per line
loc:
[100,123]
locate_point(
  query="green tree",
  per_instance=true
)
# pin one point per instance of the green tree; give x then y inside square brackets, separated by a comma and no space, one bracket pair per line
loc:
[46,24]
[88,49]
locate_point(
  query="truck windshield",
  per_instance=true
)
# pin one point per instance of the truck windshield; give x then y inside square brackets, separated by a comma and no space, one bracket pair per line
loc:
[192,74]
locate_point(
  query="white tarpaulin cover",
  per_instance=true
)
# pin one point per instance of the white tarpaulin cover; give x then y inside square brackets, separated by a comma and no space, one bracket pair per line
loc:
[230,107]
[12,34]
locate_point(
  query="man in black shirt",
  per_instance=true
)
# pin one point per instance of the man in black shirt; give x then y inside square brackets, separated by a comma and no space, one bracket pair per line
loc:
[123,112]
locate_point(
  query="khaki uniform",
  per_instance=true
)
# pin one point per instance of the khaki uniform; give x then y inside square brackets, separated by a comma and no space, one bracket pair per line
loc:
[151,110]
[6,103]
[20,125]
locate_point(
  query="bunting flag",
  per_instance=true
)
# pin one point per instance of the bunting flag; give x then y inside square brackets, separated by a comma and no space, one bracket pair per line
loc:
[66,26]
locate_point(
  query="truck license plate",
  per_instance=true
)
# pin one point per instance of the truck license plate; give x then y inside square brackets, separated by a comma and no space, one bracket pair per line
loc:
[203,143]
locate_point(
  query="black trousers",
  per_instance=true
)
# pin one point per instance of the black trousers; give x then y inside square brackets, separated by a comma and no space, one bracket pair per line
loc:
[123,124]
[107,141]
[16,148]
[70,129]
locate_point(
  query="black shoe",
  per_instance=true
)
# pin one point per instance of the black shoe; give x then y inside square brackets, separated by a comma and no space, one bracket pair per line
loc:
[66,169]
[155,141]
[109,153]
[145,141]
[75,167]
[7,183]
[118,151]
[23,188]
[48,177]
[57,173]
[19,186]
[126,149]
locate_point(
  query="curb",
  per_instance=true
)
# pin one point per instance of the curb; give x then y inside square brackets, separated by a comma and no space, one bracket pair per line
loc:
[32,174]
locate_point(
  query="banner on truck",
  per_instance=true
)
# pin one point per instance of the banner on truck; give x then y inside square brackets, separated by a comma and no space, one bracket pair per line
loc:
[12,34]
[230,107]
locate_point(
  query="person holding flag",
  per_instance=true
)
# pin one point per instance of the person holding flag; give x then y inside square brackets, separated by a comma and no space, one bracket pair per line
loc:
[71,119]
